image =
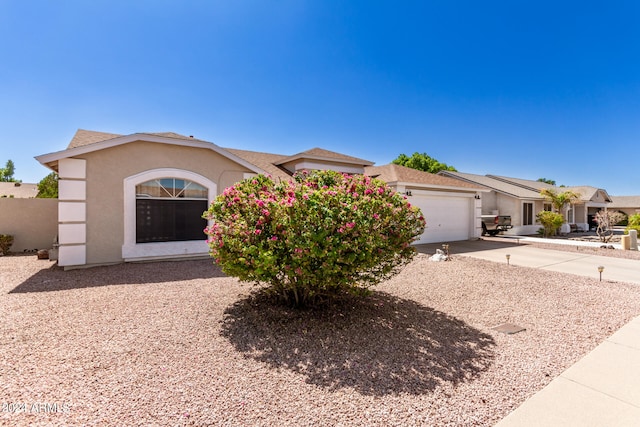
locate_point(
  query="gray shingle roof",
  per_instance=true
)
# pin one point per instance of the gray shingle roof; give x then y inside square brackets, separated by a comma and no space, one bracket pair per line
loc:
[524,188]
[625,202]
[498,185]
[266,161]
[85,137]
[322,154]
[398,173]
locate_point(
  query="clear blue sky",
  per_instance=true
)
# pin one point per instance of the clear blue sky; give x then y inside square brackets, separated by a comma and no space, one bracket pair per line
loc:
[524,89]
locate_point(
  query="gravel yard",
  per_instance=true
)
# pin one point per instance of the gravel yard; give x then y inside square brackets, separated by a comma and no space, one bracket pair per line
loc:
[178,343]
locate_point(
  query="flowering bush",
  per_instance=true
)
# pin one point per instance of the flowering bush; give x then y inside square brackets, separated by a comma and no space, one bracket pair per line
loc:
[314,237]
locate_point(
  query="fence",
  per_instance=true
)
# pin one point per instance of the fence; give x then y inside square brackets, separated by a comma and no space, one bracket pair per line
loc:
[33,223]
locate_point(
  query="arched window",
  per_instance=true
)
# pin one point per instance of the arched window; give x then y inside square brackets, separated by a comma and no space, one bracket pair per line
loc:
[170,209]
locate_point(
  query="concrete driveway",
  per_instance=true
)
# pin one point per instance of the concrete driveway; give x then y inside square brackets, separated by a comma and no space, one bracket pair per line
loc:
[521,254]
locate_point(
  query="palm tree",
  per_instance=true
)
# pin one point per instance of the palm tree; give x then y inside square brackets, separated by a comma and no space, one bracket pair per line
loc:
[559,200]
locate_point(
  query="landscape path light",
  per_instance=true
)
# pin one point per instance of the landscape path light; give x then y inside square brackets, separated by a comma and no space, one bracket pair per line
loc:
[508,258]
[445,248]
[600,270]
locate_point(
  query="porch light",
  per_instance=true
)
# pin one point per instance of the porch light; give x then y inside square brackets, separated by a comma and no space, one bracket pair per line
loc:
[600,270]
[508,258]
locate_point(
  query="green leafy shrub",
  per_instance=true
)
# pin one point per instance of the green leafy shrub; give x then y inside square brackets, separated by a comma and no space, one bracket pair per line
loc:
[320,235]
[634,224]
[551,222]
[5,243]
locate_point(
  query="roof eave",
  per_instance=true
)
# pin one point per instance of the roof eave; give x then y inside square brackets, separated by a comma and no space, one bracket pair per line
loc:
[47,159]
[438,186]
[360,162]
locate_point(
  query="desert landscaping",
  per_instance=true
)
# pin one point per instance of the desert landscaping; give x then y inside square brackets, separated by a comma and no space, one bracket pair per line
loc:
[179,343]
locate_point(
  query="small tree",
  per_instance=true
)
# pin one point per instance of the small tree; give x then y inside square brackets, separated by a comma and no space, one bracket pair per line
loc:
[547,181]
[6,173]
[551,222]
[5,243]
[315,237]
[48,187]
[559,200]
[422,162]
[634,223]
[606,220]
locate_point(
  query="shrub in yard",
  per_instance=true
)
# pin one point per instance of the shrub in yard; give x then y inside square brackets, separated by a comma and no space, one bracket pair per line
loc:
[551,222]
[5,243]
[606,220]
[320,235]
[634,224]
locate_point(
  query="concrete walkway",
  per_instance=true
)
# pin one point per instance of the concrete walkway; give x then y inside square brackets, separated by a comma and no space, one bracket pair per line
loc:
[521,254]
[602,388]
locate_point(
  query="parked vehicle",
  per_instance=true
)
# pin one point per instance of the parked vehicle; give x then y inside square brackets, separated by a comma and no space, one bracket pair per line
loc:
[494,224]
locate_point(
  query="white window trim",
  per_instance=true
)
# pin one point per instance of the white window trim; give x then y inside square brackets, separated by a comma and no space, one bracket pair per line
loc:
[533,216]
[132,251]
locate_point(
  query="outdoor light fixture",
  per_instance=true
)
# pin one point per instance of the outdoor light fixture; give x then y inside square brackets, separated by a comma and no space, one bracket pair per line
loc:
[445,248]
[477,196]
[508,258]
[600,270]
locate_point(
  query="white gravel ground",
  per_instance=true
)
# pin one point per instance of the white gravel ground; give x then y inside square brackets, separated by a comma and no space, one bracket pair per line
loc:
[181,344]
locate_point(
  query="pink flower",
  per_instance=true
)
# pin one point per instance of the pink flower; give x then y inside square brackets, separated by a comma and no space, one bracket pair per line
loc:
[376,216]
[273,238]
[257,231]
[351,224]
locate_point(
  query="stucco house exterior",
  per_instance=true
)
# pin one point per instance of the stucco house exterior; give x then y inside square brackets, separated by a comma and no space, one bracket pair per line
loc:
[451,207]
[521,199]
[140,196]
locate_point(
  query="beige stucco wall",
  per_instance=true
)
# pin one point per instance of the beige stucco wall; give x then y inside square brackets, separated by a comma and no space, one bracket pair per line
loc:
[508,205]
[106,171]
[33,223]
[628,211]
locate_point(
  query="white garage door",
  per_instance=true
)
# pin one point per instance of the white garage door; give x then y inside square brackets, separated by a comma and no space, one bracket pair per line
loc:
[448,218]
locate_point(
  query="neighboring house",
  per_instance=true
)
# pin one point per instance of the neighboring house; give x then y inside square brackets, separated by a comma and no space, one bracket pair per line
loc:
[521,199]
[134,197]
[629,205]
[18,190]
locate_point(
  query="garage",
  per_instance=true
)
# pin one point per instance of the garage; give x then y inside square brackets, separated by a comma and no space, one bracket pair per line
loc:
[449,218]
[450,206]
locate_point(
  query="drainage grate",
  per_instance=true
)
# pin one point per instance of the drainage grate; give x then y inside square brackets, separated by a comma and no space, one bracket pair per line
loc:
[508,328]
